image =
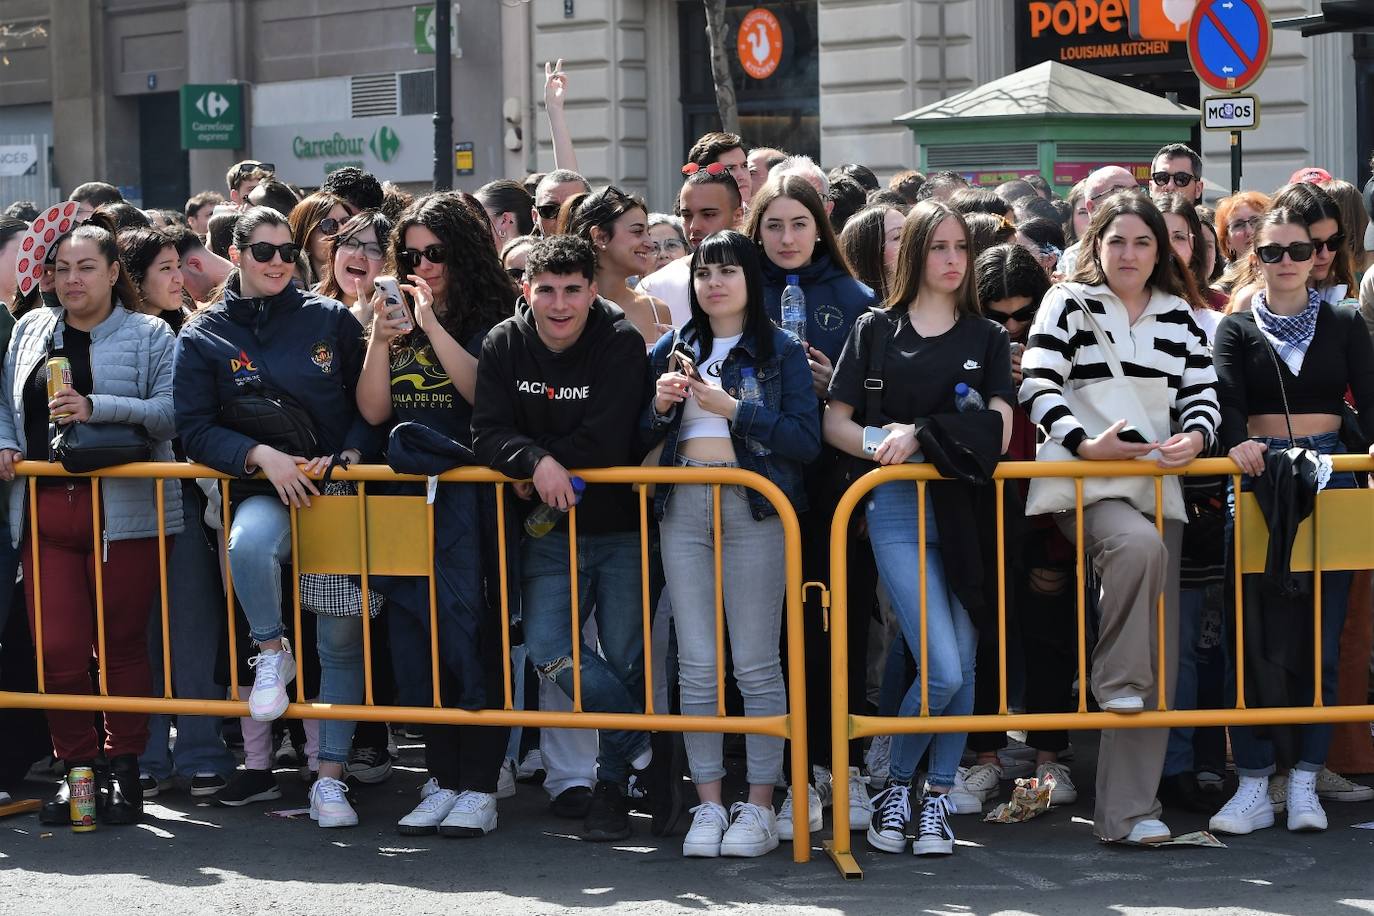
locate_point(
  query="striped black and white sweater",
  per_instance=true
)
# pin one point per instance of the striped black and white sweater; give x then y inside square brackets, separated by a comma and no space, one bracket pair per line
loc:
[1165,342]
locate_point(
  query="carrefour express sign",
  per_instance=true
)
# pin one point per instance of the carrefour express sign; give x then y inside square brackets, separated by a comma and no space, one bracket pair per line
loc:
[399,148]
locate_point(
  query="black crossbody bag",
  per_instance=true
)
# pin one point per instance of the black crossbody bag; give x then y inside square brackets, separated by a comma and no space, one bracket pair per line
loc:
[84,447]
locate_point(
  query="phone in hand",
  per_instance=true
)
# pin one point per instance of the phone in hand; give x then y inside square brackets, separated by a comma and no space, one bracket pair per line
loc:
[1131,434]
[873,437]
[395,301]
[682,361]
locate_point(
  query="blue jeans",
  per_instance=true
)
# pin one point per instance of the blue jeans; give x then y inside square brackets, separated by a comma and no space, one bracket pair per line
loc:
[339,641]
[259,546]
[1254,755]
[608,576]
[9,563]
[952,640]
[195,610]
[1179,756]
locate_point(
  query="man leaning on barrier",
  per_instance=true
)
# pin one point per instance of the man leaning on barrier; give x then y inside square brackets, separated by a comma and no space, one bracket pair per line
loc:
[559,386]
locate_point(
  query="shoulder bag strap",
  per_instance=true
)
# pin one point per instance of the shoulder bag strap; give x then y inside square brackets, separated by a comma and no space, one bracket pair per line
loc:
[880,332]
[1104,342]
[1283,392]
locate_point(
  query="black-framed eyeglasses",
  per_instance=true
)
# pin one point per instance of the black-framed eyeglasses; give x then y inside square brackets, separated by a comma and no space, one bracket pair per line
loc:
[1180,179]
[1023,314]
[548,211]
[262,251]
[434,254]
[370,250]
[1332,243]
[329,225]
[1298,252]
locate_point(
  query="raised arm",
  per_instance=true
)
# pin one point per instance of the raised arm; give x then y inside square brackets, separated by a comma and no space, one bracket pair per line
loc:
[555,92]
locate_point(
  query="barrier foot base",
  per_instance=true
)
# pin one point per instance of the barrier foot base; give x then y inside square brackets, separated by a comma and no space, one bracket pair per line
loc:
[845,862]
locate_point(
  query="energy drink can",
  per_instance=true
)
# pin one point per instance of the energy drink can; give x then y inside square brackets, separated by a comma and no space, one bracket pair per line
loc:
[81,788]
[59,377]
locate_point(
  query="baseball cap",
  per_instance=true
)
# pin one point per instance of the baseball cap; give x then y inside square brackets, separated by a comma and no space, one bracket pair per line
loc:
[1311,174]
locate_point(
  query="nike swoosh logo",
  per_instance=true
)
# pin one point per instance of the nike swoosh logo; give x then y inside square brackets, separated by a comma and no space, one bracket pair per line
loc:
[971,364]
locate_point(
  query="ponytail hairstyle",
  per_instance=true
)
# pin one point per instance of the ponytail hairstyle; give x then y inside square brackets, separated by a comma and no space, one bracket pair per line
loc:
[99,228]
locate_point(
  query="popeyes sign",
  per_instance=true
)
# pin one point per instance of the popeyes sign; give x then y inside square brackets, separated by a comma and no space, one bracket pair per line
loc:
[1110,36]
[759,43]
[1161,20]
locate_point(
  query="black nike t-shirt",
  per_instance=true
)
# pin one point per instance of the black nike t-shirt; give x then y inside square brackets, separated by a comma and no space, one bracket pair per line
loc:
[920,373]
[422,392]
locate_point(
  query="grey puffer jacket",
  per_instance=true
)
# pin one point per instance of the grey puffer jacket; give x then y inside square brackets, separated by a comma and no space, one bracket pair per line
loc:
[131,372]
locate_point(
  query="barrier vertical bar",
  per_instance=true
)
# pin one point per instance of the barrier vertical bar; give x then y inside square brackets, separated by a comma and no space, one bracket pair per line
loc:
[921,559]
[162,584]
[720,600]
[37,578]
[363,560]
[644,587]
[229,592]
[1161,678]
[1000,487]
[1080,563]
[1240,595]
[840,720]
[574,610]
[99,564]
[507,681]
[1317,602]
[296,602]
[436,695]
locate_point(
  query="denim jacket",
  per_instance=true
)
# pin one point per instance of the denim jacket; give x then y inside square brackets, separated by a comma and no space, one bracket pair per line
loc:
[787,423]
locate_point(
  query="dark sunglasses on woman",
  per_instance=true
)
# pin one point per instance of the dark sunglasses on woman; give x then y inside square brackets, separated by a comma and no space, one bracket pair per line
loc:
[434,254]
[1024,313]
[328,226]
[1298,251]
[1332,243]
[262,251]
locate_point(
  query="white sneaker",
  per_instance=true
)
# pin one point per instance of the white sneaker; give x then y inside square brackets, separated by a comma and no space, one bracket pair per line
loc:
[878,760]
[813,820]
[1147,832]
[860,805]
[1017,749]
[961,800]
[1334,787]
[753,831]
[505,783]
[435,804]
[824,782]
[272,671]
[1124,705]
[530,768]
[473,814]
[1304,808]
[891,814]
[983,781]
[1063,792]
[934,836]
[1247,811]
[709,822]
[328,805]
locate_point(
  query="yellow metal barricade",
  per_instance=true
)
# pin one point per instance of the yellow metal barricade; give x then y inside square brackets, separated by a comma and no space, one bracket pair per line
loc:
[370,535]
[1338,536]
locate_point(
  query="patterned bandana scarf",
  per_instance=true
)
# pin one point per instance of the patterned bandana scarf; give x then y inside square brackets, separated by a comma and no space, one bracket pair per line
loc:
[1290,334]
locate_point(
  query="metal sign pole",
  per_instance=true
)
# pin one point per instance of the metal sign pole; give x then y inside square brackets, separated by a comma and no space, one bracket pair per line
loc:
[1235,161]
[443,97]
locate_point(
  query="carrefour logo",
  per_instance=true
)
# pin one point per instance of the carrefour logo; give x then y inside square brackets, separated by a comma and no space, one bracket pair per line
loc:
[384,143]
[212,104]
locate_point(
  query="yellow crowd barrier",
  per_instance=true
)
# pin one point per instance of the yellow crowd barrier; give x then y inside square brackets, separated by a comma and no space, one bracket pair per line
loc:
[1339,535]
[370,535]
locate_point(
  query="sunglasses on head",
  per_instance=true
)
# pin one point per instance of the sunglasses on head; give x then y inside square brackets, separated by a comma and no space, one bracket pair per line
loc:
[434,254]
[548,211]
[262,251]
[1298,251]
[1023,314]
[1180,179]
[715,168]
[1332,243]
[249,168]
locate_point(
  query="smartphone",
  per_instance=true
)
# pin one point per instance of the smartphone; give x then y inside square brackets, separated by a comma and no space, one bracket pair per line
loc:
[683,362]
[1131,434]
[873,437]
[395,301]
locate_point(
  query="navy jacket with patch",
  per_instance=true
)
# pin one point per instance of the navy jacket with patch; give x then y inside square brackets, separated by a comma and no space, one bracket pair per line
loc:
[834,301]
[302,344]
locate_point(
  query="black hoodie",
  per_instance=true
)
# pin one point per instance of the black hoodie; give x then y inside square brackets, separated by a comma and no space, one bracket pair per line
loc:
[580,405]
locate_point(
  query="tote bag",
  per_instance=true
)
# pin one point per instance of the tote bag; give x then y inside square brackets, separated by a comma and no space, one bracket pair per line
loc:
[1142,402]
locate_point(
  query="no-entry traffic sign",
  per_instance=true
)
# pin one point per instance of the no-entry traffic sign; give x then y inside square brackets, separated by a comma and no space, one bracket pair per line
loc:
[1229,42]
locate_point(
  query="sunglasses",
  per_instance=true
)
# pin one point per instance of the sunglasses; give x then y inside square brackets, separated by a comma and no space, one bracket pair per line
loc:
[434,254]
[371,250]
[1333,243]
[249,168]
[1298,251]
[262,251]
[516,273]
[1180,179]
[329,225]
[1023,314]
[715,168]
[548,211]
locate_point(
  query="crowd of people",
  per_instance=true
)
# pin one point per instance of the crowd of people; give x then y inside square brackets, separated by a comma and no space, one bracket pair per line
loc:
[801,324]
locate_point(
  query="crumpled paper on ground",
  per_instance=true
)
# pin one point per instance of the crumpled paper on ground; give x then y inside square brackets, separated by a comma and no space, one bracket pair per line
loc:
[1029,798]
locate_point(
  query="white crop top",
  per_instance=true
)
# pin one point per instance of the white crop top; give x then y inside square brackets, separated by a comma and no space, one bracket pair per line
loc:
[696,422]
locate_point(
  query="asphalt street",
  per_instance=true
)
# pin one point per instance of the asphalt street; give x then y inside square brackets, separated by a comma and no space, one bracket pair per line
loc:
[189,857]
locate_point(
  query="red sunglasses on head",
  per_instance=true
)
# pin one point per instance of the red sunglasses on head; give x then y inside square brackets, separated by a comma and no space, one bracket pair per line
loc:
[715,168]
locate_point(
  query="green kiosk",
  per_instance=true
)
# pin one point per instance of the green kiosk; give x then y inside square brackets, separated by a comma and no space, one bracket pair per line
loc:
[1050,119]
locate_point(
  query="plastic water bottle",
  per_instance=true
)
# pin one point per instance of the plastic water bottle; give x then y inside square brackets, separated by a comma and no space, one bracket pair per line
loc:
[967,400]
[544,517]
[751,392]
[794,309]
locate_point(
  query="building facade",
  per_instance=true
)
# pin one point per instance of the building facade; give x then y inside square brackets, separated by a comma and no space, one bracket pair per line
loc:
[91,89]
